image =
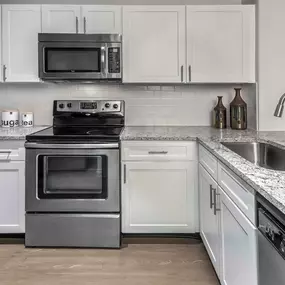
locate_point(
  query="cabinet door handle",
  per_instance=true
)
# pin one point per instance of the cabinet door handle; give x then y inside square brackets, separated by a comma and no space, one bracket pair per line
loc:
[76,21]
[211,197]
[190,72]
[125,174]
[4,73]
[215,202]
[84,23]
[158,152]
[182,73]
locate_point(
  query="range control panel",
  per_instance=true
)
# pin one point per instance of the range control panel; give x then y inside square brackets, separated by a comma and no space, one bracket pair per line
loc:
[88,106]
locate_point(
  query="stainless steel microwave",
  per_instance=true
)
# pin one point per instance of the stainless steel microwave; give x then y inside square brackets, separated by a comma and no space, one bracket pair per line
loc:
[80,57]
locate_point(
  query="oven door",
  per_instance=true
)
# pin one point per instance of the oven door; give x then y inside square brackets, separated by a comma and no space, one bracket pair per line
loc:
[72,180]
[72,61]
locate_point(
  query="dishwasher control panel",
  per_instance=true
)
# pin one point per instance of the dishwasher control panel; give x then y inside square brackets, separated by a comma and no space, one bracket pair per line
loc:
[272,229]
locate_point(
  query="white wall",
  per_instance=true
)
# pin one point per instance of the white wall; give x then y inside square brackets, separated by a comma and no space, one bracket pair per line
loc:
[123,2]
[153,105]
[271,61]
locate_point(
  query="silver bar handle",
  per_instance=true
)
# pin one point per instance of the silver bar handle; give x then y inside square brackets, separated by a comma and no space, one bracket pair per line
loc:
[158,152]
[72,145]
[190,73]
[215,202]
[125,174]
[211,197]
[84,23]
[182,73]
[4,73]
[76,21]
[103,60]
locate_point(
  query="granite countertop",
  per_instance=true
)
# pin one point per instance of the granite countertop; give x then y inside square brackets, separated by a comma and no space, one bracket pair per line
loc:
[269,183]
[18,133]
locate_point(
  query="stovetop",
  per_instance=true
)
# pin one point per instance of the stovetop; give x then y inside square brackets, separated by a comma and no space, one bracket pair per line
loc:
[77,133]
[81,120]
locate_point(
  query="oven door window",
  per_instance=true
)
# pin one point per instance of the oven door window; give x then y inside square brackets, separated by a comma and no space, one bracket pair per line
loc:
[72,177]
[70,60]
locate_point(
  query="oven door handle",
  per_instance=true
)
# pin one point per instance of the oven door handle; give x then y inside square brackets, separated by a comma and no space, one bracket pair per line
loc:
[71,145]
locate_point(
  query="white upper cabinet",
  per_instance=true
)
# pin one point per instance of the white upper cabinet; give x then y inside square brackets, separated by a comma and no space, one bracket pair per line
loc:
[21,25]
[221,43]
[61,18]
[154,44]
[102,19]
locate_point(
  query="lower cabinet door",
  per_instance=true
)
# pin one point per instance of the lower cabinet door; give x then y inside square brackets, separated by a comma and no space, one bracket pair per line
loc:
[159,197]
[209,219]
[12,197]
[239,245]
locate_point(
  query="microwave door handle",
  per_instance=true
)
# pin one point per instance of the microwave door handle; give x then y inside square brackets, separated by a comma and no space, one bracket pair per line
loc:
[103,61]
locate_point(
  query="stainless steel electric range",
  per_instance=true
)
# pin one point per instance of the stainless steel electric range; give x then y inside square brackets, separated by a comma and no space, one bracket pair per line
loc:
[73,177]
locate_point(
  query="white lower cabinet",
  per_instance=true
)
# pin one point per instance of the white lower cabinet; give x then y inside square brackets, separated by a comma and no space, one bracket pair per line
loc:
[159,187]
[209,219]
[158,197]
[239,245]
[12,193]
[227,230]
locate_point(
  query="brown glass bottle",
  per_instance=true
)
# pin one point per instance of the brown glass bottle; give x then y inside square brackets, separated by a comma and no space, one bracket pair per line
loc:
[238,112]
[220,115]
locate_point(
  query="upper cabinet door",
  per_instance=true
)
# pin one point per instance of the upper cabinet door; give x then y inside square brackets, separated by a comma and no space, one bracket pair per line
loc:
[154,44]
[102,19]
[61,19]
[221,43]
[21,25]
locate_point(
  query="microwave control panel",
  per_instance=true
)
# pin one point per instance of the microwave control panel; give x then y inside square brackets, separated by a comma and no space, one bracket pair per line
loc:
[114,60]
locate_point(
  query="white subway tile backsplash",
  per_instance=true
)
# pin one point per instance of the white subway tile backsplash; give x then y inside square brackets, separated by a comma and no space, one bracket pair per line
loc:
[145,105]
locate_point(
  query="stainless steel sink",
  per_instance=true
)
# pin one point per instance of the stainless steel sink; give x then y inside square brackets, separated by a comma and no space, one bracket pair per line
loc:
[261,154]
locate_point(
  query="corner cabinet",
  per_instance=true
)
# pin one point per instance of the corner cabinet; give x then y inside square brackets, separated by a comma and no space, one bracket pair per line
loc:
[12,191]
[159,192]
[221,43]
[154,44]
[21,25]
[209,217]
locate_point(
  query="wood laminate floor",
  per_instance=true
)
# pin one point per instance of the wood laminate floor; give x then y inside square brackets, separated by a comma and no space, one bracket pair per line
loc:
[134,264]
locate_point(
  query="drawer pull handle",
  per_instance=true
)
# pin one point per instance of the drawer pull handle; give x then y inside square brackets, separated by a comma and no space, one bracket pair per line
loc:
[158,152]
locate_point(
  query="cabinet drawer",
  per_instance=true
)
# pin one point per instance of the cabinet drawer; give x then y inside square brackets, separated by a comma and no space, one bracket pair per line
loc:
[209,161]
[237,191]
[159,150]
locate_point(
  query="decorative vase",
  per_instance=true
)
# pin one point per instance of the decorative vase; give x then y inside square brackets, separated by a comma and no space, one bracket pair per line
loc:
[238,112]
[220,115]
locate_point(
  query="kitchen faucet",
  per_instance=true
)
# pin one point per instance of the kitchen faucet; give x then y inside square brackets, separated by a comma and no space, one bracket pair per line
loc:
[280,106]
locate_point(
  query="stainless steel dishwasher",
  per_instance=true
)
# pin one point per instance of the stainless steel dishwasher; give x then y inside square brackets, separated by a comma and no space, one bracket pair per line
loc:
[271,243]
